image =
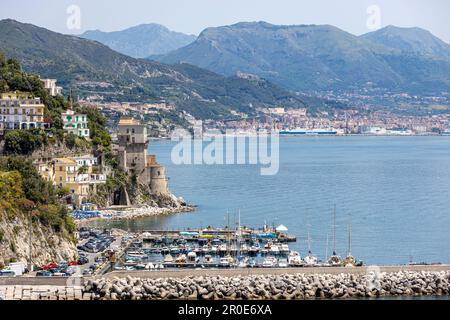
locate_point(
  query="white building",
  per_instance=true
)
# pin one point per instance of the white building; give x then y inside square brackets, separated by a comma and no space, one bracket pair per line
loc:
[52,88]
[76,123]
[20,110]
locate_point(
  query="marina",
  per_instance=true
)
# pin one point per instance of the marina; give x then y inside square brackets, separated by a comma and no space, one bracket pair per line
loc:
[217,248]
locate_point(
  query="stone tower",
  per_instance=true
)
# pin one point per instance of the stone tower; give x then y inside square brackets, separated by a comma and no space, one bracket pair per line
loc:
[134,159]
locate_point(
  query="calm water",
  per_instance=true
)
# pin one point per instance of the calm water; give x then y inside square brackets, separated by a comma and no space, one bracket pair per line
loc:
[394,190]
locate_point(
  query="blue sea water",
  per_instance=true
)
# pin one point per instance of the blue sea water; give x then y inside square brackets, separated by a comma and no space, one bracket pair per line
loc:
[393,191]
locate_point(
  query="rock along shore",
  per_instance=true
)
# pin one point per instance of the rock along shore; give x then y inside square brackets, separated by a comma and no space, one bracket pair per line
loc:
[286,286]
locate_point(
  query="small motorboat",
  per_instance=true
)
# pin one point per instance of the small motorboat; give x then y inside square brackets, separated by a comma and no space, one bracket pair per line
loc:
[214,249]
[274,250]
[283,263]
[192,256]
[284,248]
[208,259]
[136,254]
[226,261]
[174,250]
[168,258]
[243,262]
[181,258]
[269,262]
[222,248]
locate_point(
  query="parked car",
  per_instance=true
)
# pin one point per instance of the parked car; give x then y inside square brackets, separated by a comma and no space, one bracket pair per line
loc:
[7,273]
[43,273]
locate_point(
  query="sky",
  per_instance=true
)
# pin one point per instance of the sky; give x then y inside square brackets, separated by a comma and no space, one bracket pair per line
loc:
[192,16]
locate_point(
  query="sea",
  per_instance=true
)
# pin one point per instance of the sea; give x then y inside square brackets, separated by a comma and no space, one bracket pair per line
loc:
[385,199]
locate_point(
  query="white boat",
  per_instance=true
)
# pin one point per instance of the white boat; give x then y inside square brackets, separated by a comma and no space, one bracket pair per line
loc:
[243,263]
[294,259]
[206,249]
[168,258]
[223,248]
[310,260]
[226,261]
[192,256]
[214,249]
[274,250]
[270,262]
[283,263]
[136,254]
[284,248]
[208,259]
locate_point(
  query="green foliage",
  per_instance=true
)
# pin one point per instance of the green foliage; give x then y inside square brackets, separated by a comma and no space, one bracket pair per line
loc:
[22,190]
[24,142]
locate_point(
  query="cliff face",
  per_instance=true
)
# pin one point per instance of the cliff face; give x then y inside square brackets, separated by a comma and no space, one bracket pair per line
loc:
[24,195]
[47,245]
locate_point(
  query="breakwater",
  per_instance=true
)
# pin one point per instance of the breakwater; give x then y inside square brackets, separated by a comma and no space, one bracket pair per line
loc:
[266,286]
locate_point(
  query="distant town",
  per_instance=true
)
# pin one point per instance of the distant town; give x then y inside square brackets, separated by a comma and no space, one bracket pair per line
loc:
[364,116]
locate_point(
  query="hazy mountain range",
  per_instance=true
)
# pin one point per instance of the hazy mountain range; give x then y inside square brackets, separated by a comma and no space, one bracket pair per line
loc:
[90,67]
[141,41]
[323,57]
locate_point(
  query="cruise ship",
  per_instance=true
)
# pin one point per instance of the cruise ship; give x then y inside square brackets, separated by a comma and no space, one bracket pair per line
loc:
[309,132]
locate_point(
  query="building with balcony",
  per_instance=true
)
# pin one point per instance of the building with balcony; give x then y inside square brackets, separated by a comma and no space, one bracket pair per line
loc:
[75,123]
[20,110]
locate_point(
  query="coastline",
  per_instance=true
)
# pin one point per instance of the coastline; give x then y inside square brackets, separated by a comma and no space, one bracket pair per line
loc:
[130,213]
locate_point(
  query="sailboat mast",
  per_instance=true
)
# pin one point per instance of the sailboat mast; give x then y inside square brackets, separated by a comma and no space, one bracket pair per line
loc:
[350,238]
[334,230]
[326,249]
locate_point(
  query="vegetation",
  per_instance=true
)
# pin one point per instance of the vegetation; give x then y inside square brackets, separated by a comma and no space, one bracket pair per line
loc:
[23,191]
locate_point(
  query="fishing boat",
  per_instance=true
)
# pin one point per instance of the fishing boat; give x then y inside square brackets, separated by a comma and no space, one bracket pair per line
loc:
[294,259]
[269,262]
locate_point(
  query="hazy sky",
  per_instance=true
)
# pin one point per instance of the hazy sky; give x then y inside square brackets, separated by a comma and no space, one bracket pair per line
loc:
[192,16]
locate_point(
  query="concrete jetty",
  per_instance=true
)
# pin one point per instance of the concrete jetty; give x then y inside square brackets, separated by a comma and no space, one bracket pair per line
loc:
[290,283]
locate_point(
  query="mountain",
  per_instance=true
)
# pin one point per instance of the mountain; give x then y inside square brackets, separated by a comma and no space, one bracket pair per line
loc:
[410,41]
[89,67]
[311,57]
[141,41]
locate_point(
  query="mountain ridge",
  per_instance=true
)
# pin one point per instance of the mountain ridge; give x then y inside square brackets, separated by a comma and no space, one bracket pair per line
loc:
[310,57]
[88,66]
[142,40]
